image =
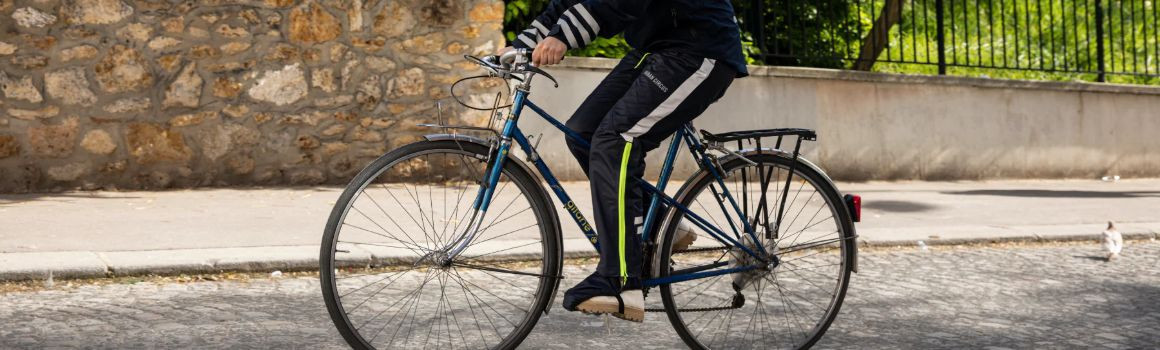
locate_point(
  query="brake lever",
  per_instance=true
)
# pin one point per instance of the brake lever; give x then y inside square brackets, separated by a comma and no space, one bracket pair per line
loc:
[476,60]
[539,71]
[487,62]
[492,60]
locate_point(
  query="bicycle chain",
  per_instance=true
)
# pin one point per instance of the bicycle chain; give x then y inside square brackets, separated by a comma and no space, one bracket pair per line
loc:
[738,302]
[698,250]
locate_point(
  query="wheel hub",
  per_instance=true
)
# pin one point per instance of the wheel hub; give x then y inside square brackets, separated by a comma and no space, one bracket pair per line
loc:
[436,259]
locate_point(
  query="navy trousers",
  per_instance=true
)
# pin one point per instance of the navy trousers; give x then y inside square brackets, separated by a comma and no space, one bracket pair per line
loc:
[646,99]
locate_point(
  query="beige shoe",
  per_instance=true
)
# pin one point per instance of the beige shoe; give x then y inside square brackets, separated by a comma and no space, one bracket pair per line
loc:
[632,308]
[685,236]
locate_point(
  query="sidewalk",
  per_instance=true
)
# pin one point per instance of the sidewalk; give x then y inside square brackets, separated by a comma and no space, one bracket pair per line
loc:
[92,234]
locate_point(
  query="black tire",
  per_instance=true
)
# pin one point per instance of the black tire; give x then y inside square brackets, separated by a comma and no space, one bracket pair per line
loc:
[719,287]
[545,263]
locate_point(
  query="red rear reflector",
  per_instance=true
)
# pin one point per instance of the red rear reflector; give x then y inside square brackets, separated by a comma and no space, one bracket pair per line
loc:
[854,202]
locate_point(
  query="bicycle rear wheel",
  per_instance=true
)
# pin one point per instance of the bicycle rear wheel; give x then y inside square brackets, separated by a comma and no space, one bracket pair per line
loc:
[789,306]
[386,276]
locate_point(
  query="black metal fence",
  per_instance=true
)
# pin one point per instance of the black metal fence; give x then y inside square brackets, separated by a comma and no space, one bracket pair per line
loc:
[1093,37]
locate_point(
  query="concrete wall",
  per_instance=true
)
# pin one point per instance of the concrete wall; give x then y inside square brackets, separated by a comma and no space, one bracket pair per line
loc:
[140,94]
[887,127]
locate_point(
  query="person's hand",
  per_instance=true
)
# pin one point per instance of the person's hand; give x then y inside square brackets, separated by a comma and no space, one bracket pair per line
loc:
[549,51]
[504,50]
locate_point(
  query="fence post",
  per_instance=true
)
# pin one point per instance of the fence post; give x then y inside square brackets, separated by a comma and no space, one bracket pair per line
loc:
[942,52]
[1102,74]
[757,19]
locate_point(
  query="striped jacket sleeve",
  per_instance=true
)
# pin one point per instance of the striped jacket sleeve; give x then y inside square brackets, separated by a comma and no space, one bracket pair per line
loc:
[543,24]
[578,22]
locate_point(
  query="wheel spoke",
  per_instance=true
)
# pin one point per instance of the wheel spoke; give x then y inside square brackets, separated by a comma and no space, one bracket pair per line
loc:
[408,212]
[501,270]
[786,306]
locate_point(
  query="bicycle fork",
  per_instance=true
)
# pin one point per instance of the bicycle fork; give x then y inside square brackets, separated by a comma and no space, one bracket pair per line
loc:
[487,186]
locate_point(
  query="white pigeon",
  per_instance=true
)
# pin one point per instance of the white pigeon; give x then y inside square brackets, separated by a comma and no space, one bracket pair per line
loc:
[1113,241]
[48,282]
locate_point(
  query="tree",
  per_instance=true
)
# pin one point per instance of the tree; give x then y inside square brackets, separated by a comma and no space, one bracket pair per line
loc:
[878,37]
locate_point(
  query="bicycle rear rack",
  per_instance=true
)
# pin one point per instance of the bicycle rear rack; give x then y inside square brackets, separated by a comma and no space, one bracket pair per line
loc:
[806,134]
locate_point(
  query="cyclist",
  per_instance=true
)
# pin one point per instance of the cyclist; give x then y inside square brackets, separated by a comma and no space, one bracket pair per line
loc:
[685,55]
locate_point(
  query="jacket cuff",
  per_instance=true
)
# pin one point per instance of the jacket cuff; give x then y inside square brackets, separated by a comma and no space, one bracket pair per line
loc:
[526,40]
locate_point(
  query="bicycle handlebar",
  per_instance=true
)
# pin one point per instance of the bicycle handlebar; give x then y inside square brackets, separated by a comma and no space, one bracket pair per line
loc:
[511,65]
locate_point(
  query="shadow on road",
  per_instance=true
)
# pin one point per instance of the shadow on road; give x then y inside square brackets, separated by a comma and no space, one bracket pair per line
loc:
[1091,257]
[10,199]
[1058,194]
[898,206]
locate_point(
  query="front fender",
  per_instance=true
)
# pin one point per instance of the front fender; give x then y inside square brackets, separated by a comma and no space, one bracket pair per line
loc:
[456,137]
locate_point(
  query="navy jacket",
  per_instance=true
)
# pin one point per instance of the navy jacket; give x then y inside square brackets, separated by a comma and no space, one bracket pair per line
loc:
[706,28]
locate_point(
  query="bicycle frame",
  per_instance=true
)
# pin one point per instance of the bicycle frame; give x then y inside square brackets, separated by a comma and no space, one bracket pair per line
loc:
[511,132]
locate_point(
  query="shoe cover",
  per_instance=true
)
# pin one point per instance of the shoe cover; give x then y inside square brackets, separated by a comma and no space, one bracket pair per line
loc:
[596,285]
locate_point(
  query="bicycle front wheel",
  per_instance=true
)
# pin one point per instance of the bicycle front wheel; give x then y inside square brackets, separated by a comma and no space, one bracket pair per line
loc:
[388,278]
[785,305]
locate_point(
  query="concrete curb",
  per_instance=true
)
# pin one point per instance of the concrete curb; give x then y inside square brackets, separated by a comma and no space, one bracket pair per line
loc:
[1133,236]
[85,264]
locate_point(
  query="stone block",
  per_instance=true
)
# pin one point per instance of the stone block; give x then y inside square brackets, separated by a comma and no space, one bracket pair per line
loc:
[394,20]
[149,143]
[20,89]
[29,17]
[99,142]
[53,140]
[81,52]
[123,69]
[280,87]
[310,24]
[95,11]
[185,91]
[69,86]
[9,146]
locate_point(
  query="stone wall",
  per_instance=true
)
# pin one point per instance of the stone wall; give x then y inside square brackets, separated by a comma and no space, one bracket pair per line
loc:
[152,94]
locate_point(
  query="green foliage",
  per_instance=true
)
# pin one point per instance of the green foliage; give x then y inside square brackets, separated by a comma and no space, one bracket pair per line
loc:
[1040,37]
[519,14]
[816,33]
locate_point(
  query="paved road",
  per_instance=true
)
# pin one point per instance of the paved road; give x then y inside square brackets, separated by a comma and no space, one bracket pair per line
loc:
[946,298]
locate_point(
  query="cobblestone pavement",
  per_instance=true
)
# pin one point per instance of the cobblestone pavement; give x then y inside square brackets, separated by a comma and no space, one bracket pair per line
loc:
[1029,297]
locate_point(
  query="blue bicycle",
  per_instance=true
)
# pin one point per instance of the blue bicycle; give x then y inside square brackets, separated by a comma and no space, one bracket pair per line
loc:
[453,241]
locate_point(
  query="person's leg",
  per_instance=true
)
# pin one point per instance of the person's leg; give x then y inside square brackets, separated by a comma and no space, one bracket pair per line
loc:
[671,90]
[592,111]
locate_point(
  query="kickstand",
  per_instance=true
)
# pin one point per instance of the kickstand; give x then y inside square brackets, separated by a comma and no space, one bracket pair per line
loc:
[608,324]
